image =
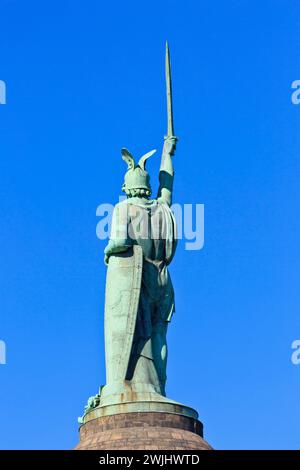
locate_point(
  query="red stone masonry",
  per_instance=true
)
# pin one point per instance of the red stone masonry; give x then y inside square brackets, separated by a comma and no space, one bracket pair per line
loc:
[143,431]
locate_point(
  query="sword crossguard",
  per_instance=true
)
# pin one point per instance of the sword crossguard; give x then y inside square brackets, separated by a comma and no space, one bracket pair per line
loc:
[171,137]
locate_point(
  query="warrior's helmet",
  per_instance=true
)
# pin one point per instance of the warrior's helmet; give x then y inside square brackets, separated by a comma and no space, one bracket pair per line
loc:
[137,179]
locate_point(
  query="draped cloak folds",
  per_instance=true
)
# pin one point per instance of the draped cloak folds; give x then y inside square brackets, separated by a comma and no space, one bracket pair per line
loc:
[151,225]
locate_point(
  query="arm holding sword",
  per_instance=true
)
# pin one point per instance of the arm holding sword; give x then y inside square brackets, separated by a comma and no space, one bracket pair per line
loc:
[166,172]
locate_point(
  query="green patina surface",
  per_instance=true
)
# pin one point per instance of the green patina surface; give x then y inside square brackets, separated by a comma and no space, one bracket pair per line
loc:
[139,299]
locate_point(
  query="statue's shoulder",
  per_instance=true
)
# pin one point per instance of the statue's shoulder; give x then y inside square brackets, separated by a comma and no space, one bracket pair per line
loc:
[161,202]
[121,204]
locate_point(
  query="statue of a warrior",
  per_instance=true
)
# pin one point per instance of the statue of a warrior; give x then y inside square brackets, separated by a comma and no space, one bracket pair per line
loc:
[150,225]
[139,293]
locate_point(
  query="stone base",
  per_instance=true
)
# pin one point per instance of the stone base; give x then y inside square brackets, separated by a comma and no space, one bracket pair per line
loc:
[143,431]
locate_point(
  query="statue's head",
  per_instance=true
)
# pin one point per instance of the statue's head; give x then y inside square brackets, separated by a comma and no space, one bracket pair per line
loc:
[137,179]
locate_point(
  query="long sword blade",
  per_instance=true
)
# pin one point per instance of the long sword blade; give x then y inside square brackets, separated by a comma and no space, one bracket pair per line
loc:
[169,93]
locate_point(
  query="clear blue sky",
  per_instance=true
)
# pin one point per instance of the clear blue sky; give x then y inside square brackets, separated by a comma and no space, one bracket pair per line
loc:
[86,78]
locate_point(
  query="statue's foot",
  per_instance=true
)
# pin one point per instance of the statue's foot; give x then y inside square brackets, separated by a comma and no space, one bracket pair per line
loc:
[132,397]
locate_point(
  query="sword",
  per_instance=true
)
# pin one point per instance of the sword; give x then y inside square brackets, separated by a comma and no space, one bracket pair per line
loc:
[170,132]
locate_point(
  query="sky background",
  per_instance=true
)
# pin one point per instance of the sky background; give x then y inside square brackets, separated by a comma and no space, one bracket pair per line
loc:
[87,78]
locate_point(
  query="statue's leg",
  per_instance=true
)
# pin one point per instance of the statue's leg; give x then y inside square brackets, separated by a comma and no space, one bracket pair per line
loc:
[141,369]
[160,351]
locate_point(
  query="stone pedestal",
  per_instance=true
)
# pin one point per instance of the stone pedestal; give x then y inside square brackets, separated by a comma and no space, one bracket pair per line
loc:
[143,431]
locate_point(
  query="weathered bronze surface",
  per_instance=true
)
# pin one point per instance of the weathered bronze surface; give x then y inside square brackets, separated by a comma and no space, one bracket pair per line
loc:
[139,300]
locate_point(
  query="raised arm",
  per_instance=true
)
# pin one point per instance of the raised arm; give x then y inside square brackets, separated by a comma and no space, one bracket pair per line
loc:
[166,171]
